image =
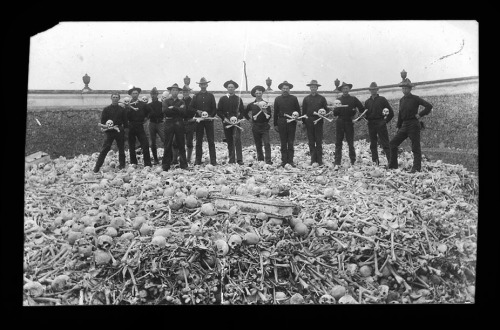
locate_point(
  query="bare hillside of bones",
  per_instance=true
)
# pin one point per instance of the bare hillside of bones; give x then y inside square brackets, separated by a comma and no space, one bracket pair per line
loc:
[362,235]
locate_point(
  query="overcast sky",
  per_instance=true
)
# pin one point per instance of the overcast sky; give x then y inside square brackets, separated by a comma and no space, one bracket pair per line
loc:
[145,54]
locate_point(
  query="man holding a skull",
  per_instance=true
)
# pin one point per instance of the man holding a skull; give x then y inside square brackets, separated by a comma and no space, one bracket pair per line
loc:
[175,112]
[137,113]
[205,107]
[379,113]
[344,125]
[113,116]
[260,111]
[286,113]
[230,110]
[314,105]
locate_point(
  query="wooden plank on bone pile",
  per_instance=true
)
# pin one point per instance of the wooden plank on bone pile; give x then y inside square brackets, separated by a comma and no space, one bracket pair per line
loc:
[272,207]
[37,157]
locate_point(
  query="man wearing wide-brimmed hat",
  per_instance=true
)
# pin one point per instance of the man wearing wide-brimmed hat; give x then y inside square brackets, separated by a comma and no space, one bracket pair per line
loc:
[175,112]
[204,101]
[137,113]
[231,105]
[156,125]
[409,125]
[379,113]
[311,104]
[260,113]
[344,125]
[189,124]
[286,104]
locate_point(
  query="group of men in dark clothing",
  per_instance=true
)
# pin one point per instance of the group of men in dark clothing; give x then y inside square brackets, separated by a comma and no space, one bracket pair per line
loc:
[176,120]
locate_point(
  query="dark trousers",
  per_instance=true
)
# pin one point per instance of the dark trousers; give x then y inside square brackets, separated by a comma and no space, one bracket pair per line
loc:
[260,133]
[233,139]
[190,129]
[287,138]
[136,130]
[315,138]
[106,147]
[344,127]
[208,127]
[411,129]
[174,129]
[154,129]
[377,130]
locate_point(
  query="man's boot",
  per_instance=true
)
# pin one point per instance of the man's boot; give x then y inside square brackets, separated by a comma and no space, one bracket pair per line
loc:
[189,153]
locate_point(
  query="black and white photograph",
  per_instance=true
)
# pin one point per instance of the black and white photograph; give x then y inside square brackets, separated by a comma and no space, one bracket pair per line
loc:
[294,162]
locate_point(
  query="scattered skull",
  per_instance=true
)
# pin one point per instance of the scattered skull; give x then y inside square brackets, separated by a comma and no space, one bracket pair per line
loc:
[235,241]
[233,120]
[151,205]
[322,112]
[283,246]
[337,103]
[347,299]
[104,242]
[326,299]
[221,247]
[204,114]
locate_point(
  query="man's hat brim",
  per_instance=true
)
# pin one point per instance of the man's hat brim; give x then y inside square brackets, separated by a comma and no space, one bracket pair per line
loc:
[203,82]
[231,82]
[313,85]
[344,85]
[134,89]
[285,83]
[257,88]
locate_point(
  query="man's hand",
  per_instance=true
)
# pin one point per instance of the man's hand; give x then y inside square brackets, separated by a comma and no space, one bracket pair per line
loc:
[199,112]
[276,129]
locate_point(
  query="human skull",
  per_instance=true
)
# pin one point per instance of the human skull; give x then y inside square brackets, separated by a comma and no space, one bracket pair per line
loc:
[204,114]
[295,114]
[104,242]
[84,247]
[385,112]
[347,299]
[126,100]
[109,123]
[235,241]
[151,205]
[144,99]
[322,112]
[283,246]
[164,95]
[233,120]
[221,247]
[326,299]
[337,103]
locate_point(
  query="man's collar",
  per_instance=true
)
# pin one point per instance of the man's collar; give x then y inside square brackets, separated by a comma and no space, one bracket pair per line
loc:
[374,96]
[204,91]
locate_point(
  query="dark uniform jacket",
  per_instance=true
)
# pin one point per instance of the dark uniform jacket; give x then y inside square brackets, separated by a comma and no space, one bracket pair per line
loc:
[252,109]
[352,103]
[375,108]
[203,102]
[230,106]
[285,105]
[408,108]
[116,113]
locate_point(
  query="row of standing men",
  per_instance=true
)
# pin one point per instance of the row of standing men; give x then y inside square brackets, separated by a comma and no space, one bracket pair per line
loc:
[177,120]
